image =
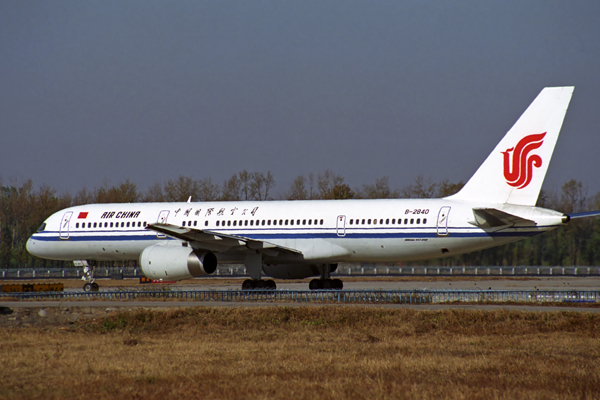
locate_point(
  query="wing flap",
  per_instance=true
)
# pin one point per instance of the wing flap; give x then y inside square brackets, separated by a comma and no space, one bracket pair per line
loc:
[216,241]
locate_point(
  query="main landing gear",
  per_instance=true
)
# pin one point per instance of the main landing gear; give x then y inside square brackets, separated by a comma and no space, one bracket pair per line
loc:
[253,262]
[320,284]
[268,284]
[326,282]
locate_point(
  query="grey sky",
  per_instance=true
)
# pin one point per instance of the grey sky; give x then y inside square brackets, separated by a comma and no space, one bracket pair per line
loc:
[103,91]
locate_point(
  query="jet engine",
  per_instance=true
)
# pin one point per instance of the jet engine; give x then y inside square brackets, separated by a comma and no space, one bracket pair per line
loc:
[175,263]
[295,271]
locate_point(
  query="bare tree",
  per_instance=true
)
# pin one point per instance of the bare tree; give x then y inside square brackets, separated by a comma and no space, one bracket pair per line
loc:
[262,185]
[207,190]
[181,189]
[379,190]
[126,192]
[445,188]
[232,190]
[421,189]
[326,182]
[298,189]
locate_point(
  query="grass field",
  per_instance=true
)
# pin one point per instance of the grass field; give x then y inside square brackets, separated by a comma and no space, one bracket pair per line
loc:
[306,352]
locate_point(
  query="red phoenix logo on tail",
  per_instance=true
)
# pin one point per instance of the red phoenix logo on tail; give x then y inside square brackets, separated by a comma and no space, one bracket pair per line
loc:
[519,171]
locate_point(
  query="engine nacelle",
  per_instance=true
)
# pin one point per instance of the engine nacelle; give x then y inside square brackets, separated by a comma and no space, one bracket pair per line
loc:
[295,271]
[175,263]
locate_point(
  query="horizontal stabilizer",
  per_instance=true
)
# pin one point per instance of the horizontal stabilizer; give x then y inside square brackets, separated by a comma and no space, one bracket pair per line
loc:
[215,241]
[493,218]
[586,214]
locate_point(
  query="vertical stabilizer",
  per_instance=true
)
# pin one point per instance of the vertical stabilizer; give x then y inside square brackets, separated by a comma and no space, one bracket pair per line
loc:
[514,172]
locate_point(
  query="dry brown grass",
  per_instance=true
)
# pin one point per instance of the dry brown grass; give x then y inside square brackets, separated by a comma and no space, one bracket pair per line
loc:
[306,352]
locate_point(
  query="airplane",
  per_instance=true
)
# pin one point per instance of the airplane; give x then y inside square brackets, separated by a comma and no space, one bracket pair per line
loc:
[308,238]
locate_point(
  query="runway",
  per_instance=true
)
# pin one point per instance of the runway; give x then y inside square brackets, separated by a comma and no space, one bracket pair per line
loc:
[353,283]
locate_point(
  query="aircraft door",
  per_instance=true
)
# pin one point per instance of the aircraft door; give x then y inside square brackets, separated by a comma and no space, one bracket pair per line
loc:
[341,225]
[162,219]
[442,221]
[64,225]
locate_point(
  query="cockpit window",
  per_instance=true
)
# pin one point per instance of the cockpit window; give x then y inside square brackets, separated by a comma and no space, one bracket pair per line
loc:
[42,228]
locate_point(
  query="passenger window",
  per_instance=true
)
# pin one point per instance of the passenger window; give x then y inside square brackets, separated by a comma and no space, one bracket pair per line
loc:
[195,223]
[418,220]
[387,221]
[310,222]
[291,222]
[111,224]
[303,222]
[145,223]
[95,225]
[351,221]
[412,221]
[217,223]
[106,224]
[76,225]
[393,221]
[405,221]
[269,222]
[263,222]
[381,221]
[246,223]
[234,223]
[205,223]
[369,221]
[286,222]
[297,222]
[228,223]
[424,221]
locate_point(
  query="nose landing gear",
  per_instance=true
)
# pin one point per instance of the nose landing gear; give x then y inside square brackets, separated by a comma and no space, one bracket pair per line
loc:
[88,276]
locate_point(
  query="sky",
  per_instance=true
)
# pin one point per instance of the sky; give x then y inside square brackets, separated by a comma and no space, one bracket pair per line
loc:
[97,92]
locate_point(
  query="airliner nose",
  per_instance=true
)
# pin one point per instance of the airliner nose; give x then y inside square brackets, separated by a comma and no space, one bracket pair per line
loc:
[31,246]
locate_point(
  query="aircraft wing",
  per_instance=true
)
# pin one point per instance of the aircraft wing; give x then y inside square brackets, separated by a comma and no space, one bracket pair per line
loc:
[494,218]
[216,241]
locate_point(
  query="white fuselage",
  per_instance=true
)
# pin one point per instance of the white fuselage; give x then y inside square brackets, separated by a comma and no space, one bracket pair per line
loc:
[320,230]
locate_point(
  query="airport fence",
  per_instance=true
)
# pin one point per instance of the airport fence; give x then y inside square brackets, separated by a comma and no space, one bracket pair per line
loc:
[324,296]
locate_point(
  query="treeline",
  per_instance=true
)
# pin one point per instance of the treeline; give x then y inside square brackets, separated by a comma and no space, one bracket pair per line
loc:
[24,207]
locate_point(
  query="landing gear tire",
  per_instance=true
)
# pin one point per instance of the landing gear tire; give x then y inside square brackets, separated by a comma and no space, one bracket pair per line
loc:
[95,287]
[88,287]
[315,284]
[326,284]
[250,284]
[271,285]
